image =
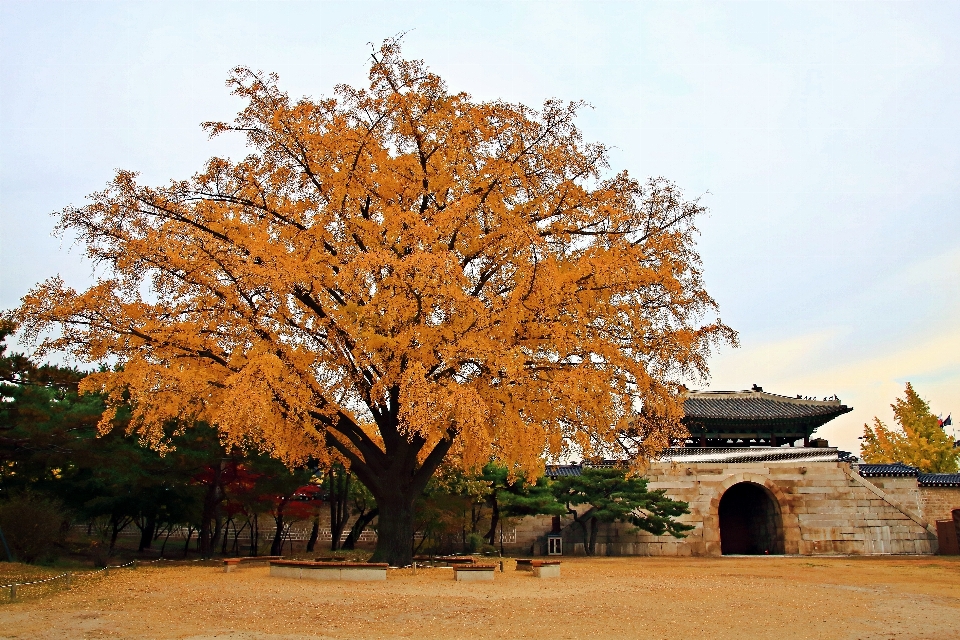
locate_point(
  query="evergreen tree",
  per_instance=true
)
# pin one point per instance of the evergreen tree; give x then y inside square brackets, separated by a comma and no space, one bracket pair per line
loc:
[517,498]
[615,496]
[52,446]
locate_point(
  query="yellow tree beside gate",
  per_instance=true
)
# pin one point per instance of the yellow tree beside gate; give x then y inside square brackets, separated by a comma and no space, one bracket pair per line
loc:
[920,441]
[394,275]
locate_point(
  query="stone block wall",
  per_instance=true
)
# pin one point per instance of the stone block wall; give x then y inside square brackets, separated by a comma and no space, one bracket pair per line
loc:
[937,502]
[824,507]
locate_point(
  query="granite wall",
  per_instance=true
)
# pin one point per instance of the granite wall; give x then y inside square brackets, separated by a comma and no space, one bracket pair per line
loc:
[937,502]
[824,507]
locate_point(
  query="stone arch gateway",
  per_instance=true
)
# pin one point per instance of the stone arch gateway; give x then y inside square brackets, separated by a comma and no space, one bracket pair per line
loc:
[750,521]
[823,507]
[777,497]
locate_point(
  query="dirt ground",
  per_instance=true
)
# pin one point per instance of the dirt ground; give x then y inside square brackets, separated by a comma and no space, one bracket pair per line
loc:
[649,598]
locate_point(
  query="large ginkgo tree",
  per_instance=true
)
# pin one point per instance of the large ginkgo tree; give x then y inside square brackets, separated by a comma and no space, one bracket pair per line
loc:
[395,276]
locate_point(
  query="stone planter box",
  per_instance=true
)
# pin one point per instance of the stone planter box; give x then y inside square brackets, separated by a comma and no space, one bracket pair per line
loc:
[474,572]
[303,570]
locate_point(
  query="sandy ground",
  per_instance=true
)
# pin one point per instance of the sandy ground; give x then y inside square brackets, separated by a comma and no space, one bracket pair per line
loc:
[649,598]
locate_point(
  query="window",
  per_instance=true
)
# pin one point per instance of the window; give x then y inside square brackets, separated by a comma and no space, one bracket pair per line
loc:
[554,546]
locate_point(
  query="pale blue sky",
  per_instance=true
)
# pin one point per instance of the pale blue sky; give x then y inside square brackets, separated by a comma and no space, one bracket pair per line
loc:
[823,136]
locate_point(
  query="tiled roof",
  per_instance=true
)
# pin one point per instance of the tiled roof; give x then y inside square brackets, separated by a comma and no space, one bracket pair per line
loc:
[756,405]
[749,454]
[939,479]
[892,470]
[718,455]
[561,470]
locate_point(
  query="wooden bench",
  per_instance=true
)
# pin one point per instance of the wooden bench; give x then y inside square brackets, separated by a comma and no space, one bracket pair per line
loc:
[540,568]
[473,572]
[231,564]
[306,570]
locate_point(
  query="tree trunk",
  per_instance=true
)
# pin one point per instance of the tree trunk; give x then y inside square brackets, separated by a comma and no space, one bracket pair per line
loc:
[118,524]
[276,549]
[395,532]
[358,527]
[236,537]
[255,535]
[314,534]
[582,522]
[594,527]
[113,535]
[501,539]
[494,520]
[205,541]
[211,503]
[146,534]
[393,473]
[165,540]
[186,545]
[226,535]
[339,485]
[476,515]
[218,528]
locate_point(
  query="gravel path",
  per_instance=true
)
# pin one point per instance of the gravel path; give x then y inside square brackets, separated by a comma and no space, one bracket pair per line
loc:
[649,598]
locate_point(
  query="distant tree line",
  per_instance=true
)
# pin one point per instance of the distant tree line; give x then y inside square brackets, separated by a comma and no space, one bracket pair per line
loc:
[54,455]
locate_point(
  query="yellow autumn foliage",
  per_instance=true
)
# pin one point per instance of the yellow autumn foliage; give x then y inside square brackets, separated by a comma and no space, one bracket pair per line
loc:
[393,275]
[920,441]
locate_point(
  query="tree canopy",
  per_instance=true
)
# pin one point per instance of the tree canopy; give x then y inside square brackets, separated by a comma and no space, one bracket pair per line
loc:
[393,274]
[920,441]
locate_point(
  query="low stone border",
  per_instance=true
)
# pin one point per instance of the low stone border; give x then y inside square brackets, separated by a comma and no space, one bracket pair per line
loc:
[232,564]
[473,572]
[305,570]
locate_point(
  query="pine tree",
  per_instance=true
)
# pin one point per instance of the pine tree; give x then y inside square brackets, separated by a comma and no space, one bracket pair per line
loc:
[514,498]
[615,496]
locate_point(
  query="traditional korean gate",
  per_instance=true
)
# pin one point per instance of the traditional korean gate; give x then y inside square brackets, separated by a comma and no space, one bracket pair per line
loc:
[750,521]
